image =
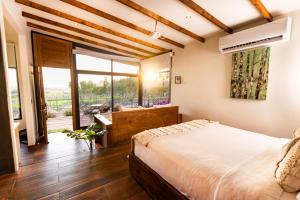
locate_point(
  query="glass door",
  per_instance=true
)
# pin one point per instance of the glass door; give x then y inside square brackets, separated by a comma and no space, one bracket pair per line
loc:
[94,96]
[93,86]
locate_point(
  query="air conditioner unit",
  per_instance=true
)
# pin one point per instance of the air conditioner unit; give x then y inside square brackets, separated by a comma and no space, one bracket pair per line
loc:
[263,35]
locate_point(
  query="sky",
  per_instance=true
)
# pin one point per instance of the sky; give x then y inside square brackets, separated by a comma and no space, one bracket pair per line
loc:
[13,83]
[56,78]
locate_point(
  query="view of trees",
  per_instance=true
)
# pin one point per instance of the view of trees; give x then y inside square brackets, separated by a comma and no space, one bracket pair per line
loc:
[125,87]
[91,88]
[125,92]
[16,103]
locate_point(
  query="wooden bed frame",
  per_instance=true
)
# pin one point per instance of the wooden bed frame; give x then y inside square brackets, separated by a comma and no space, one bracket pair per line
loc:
[151,181]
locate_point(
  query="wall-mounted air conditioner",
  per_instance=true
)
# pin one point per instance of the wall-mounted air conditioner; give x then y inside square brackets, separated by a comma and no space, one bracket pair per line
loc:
[263,35]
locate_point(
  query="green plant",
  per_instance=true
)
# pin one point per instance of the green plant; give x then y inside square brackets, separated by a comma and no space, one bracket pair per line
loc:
[51,115]
[88,135]
[56,130]
[68,113]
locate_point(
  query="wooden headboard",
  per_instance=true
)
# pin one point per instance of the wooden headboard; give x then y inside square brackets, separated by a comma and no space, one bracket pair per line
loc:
[127,123]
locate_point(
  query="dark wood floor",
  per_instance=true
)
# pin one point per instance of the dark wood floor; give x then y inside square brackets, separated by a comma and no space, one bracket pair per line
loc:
[65,169]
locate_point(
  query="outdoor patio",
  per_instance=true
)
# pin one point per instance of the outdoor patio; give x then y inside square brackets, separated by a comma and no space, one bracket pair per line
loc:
[56,124]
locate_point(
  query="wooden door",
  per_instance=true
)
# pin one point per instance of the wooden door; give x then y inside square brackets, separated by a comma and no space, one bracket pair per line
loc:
[49,52]
[42,105]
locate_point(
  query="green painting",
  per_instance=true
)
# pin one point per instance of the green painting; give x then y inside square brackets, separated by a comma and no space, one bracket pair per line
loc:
[249,76]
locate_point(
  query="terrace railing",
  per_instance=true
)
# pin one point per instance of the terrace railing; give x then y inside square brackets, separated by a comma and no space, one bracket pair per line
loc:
[60,104]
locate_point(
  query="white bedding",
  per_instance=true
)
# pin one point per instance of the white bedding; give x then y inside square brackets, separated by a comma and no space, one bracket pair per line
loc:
[217,162]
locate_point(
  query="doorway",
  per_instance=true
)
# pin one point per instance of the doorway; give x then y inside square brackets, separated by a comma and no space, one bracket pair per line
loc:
[54,85]
[58,98]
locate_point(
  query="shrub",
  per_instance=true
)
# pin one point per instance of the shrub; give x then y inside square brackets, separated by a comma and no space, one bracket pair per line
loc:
[68,113]
[51,115]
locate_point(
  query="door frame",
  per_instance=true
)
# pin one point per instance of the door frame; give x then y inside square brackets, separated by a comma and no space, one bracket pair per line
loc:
[42,134]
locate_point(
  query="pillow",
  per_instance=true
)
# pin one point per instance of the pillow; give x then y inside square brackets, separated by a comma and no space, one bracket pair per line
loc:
[287,172]
[297,132]
[162,106]
[123,108]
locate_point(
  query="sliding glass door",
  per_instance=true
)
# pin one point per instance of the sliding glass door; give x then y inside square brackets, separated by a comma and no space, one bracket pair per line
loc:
[103,85]
[94,94]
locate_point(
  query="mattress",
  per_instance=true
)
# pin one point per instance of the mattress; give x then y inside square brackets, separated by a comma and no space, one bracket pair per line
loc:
[216,162]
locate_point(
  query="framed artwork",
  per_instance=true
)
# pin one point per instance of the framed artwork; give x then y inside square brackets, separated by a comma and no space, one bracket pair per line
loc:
[177,79]
[249,78]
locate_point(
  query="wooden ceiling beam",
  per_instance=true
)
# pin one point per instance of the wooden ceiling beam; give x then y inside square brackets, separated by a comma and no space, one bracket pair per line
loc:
[262,9]
[60,25]
[158,54]
[49,30]
[87,23]
[198,9]
[161,19]
[118,20]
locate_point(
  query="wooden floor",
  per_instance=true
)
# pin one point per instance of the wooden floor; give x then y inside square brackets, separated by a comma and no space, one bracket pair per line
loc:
[65,169]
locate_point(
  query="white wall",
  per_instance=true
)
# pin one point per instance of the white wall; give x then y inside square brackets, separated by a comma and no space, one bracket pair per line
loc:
[12,37]
[12,13]
[3,42]
[206,75]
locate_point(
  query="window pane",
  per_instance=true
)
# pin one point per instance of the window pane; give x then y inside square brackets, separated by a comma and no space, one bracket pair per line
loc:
[13,82]
[90,63]
[156,91]
[94,96]
[125,91]
[125,68]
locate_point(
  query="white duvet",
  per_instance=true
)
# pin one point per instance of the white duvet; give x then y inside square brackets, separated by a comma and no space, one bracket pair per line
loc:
[217,162]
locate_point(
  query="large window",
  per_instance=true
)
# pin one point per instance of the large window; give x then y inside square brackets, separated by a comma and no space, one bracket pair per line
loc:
[15,95]
[13,80]
[104,84]
[120,67]
[156,88]
[89,63]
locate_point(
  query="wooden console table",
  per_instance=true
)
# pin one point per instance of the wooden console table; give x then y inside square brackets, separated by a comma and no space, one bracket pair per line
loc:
[121,126]
[105,120]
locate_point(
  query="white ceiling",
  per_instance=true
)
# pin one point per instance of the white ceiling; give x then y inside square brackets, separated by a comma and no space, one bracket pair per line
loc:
[230,12]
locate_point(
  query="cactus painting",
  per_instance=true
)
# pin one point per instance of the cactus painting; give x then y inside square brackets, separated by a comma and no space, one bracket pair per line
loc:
[249,78]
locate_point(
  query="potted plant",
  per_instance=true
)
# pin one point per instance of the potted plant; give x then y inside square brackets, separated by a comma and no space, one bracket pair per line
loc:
[88,135]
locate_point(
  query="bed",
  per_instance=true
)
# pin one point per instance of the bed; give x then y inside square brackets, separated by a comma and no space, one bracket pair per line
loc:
[206,160]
